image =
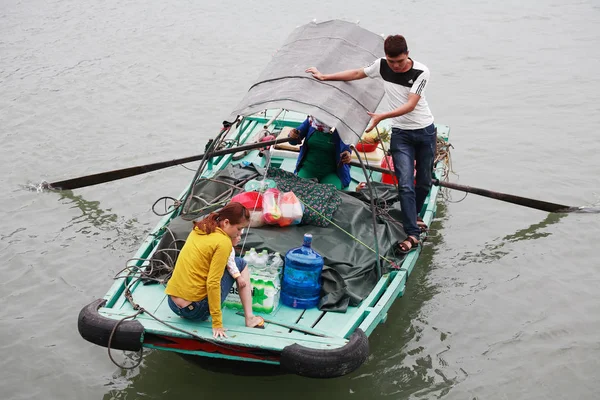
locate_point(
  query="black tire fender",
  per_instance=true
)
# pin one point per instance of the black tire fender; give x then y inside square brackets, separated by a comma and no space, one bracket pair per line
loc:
[97,329]
[315,363]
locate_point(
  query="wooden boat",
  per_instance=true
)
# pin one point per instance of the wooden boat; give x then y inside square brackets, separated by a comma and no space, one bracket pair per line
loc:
[317,342]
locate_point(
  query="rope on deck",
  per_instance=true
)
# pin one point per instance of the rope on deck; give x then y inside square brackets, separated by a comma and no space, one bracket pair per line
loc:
[442,154]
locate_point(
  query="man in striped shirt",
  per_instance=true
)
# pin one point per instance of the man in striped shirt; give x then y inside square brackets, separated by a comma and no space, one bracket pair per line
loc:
[413,131]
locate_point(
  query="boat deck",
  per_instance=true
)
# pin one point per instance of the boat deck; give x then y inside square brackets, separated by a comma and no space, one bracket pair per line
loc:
[327,330]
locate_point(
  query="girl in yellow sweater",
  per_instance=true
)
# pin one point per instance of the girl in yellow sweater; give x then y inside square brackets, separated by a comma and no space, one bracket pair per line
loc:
[200,283]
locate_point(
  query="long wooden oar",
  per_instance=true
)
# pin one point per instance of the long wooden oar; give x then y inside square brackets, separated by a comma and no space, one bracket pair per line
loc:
[116,174]
[509,198]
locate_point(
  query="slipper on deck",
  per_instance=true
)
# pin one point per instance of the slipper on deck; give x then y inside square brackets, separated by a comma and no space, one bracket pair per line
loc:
[261,324]
[422,225]
[407,245]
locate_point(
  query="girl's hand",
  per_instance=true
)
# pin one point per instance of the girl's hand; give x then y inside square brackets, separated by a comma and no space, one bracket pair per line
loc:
[294,134]
[219,332]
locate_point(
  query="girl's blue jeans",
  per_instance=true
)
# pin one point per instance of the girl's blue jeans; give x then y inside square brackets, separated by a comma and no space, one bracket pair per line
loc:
[199,310]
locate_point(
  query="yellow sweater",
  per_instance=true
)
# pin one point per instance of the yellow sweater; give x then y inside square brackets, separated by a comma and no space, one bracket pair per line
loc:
[199,269]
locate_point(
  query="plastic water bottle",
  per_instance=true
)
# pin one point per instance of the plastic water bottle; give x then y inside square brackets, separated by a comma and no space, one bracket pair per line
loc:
[263,258]
[257,261]
[301,286]
[274,267]
[250,256]
[276,263]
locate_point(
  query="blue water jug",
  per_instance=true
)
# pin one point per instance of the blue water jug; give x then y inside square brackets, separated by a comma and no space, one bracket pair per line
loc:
[301,285]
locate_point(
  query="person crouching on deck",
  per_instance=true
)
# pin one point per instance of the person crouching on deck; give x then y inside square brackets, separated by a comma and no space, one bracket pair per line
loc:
[200,282]
[323,155]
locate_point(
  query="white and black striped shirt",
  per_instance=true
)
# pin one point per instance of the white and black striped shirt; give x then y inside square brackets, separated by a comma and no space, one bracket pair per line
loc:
[398,85]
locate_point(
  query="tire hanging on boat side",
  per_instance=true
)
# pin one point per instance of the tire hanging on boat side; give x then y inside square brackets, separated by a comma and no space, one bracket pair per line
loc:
[318,363]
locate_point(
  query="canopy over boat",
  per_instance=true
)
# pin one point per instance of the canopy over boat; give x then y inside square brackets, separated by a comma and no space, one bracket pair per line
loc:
[330,46]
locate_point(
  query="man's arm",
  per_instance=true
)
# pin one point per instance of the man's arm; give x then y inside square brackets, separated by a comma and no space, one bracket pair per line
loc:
[405,108]
[348,75]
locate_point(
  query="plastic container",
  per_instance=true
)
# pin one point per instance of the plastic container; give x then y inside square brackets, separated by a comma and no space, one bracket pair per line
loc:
[388,164]
[366,147]
[275,263]
[251,256]
[263,258]
[250,200]
[301,284]
[259,186]
[255,261]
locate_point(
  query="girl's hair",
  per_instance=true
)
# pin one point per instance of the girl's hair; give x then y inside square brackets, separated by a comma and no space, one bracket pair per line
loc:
[235,212]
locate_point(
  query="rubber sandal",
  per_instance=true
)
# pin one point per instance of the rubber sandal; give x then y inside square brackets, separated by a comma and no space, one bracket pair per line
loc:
[404,248]
[261,324]
[422,225]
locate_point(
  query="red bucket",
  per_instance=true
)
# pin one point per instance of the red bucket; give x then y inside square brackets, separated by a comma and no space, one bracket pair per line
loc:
[388,164]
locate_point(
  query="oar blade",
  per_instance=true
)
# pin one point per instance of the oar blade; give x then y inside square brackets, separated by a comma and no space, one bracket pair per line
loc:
[509,198]
[109,176]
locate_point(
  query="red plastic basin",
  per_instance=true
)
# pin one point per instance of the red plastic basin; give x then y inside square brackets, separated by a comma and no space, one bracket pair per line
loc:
[366,147]
[251,200]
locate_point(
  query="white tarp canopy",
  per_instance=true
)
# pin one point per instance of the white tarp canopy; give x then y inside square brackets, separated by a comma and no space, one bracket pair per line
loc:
[331,46]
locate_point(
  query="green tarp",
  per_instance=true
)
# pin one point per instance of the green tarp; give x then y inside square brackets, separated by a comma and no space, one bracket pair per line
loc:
[347,244]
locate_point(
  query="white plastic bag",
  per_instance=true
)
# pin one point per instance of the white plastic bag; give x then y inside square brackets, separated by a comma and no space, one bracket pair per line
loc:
[271,210]
[291,209]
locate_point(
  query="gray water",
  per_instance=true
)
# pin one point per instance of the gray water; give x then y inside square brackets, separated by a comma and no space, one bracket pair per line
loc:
[504,303]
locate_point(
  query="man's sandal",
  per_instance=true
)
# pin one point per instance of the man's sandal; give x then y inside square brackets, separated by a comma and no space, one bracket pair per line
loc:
[408,244]
[422,225]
